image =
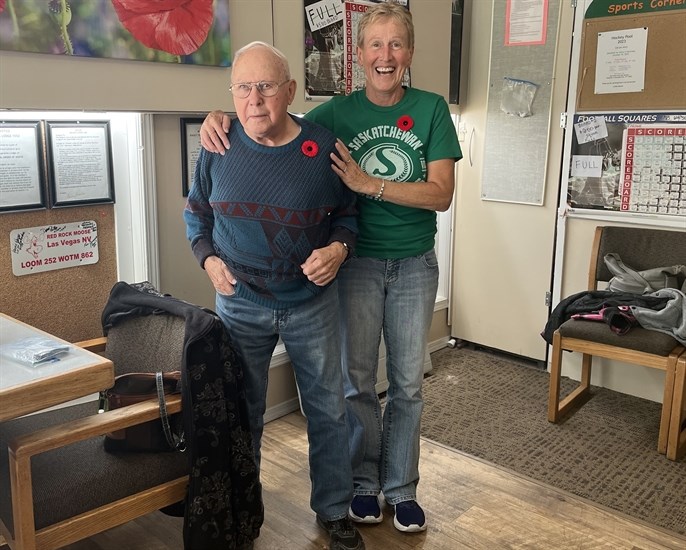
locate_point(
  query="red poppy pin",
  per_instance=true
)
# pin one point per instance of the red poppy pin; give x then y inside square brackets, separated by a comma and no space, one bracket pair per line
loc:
[310,148]
[405,123]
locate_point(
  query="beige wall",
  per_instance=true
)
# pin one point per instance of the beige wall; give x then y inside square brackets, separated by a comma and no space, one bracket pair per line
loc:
[180,274]
[430,67]
[40,82]
[36,81]
[479,270]
[503,250]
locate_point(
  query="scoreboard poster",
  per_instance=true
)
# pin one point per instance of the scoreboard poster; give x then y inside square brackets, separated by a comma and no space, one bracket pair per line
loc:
[629,162]
[330,47]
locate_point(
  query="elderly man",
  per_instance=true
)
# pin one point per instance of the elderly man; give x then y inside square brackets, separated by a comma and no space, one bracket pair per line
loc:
[271,223]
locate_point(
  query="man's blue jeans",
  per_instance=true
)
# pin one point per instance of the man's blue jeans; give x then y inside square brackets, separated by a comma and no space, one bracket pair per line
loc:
[310,332]
[396,297]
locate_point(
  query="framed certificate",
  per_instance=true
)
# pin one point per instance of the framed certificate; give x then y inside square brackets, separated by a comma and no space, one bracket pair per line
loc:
[80,162]
[22,167]
[190,149]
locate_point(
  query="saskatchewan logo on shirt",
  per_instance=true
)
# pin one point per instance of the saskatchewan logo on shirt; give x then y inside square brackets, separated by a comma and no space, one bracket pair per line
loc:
[387,161]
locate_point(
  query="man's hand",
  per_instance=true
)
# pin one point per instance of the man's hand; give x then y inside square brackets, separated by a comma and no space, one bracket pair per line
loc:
[213,132]
[222,279]
[322,265]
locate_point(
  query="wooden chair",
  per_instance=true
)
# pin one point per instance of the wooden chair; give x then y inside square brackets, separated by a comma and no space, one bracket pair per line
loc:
[676,443]
[641,249]
[64,486]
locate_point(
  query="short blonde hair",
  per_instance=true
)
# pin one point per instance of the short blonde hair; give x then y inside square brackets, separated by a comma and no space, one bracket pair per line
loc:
[280,57]
[383,11]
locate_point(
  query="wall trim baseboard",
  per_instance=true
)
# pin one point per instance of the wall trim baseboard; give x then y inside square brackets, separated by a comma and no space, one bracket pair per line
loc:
[282,409]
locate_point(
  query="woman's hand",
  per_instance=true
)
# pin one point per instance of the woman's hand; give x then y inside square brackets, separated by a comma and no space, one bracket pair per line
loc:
[436,193]
[213,132]
[350,172]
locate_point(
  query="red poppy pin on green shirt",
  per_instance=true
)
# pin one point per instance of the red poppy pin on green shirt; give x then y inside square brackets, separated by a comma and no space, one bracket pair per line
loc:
[405,123]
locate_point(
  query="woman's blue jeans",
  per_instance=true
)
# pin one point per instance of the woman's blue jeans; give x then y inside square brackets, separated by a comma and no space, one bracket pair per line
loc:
[395,297]
[310,332]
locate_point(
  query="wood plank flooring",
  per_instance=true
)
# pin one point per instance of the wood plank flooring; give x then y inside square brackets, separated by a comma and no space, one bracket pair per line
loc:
[470,504]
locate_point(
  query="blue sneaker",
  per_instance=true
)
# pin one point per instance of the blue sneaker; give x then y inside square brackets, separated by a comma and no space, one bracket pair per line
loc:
[409,517]
[365,509]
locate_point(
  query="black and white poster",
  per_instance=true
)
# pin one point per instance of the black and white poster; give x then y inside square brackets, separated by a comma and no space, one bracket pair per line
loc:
[629,162]
[330,47]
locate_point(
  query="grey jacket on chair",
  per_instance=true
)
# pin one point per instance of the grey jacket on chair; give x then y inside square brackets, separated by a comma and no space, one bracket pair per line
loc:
[670,320]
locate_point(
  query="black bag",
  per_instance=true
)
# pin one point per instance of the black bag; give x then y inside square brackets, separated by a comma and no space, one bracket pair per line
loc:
[163,434]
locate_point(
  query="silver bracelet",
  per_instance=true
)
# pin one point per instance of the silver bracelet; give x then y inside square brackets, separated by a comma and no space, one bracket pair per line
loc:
[378,196]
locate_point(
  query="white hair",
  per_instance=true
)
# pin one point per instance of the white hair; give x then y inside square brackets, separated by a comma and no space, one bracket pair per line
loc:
[281,58]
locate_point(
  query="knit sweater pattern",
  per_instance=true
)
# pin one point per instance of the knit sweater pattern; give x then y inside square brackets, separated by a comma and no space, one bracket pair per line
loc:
[263,210]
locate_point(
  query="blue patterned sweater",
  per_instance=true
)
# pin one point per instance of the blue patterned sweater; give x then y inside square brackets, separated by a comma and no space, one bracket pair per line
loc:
[263,210]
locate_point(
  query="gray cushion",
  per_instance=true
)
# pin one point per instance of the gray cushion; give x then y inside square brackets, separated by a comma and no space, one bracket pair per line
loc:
[637,338]
[148,343]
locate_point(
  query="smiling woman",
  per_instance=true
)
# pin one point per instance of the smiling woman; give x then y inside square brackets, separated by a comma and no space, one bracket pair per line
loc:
[176,31]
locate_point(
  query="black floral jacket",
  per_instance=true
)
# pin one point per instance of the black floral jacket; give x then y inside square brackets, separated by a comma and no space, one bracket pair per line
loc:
[223,507]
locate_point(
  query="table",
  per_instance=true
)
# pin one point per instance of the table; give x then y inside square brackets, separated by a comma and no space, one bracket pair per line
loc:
[26,389]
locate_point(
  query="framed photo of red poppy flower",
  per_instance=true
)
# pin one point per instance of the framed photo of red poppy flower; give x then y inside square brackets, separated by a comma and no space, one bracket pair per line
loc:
[171,31]
[190,149]
[22,167]
[79,162]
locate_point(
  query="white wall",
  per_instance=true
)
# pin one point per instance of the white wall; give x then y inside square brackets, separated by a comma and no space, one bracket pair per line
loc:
[40,81]
[484,264]
[503,251]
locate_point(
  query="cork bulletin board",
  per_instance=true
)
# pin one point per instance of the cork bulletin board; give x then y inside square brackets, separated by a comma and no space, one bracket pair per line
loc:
[65,302]
[665,70]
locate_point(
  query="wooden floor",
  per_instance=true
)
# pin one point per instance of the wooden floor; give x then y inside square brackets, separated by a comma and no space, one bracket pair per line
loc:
[469,504]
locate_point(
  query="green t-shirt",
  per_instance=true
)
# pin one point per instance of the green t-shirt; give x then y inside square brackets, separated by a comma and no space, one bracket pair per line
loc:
[394,143]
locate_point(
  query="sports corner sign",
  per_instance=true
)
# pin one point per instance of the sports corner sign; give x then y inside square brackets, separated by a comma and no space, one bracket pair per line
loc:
[49,247]
[608,8]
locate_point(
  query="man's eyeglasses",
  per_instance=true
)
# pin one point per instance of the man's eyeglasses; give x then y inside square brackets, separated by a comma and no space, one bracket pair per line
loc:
[267,88]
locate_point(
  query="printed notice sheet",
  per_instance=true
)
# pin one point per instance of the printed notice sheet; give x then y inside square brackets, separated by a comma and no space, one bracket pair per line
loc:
[621,61]
[526,22]
[80,162]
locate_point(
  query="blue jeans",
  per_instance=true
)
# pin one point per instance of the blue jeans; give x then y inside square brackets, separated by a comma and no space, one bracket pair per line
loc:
[310,332]
[396,297]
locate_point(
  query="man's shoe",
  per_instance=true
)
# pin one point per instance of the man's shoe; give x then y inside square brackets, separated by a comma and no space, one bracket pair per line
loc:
[365,509]
[342,533]
[409,517]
